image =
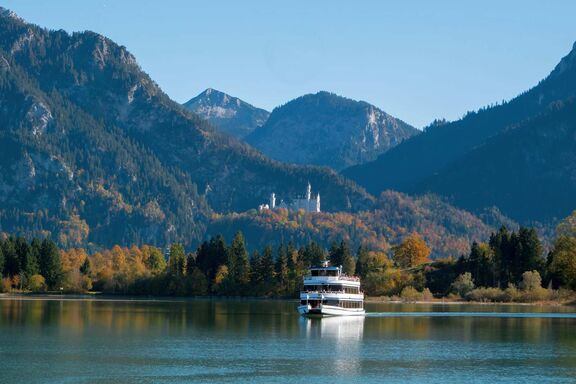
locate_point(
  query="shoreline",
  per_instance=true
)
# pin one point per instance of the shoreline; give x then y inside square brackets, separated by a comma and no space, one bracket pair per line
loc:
[166,299]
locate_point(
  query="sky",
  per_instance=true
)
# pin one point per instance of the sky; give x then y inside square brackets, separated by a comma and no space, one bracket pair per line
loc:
[416,60]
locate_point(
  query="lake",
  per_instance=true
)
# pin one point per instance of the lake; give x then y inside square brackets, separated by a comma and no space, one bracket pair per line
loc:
[259,341]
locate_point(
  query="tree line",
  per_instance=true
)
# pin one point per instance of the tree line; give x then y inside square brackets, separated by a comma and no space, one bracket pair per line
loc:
[510,266]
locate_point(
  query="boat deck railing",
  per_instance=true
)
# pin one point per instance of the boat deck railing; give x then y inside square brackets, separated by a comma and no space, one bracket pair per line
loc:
[341,277]
[322,291]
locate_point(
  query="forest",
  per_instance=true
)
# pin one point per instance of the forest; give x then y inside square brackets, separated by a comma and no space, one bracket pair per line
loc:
[510,266]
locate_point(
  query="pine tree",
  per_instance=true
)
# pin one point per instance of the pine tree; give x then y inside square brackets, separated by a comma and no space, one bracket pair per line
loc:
[281,269]
[50,264]
[267,268]
[11,261]
[238,264]
[362,262]
[532,251]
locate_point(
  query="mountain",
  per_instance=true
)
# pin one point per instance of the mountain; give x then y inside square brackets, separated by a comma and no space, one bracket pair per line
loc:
[409,164]
[326,129]
[528,171]
[228,113]
[94,152]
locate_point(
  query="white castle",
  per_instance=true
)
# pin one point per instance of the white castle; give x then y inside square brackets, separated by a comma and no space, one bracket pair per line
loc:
[307,203]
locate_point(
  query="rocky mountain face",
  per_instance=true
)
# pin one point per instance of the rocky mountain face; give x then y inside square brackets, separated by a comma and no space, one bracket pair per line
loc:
[422,156]
[228,113]
[513,156]
[326,129]
[94,152]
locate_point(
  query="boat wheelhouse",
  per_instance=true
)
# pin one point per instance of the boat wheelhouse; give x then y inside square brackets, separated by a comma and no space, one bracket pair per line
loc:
[329,292]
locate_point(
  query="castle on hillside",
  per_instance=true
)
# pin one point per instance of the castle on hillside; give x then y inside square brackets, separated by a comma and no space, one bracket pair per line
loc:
[307,203]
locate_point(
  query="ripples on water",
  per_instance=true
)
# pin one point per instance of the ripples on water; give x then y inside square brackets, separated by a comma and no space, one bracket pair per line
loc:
[203,341]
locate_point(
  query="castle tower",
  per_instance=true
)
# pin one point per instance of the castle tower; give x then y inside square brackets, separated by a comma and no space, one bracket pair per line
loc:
[272,200]
[309,192]
[318,202]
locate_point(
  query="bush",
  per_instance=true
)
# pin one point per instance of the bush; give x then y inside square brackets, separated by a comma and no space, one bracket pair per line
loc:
[463,284]
[6,285]
[511,294]
[486,295]
[531,280]
[427,295]
[410,294]
[37,283]
[536,294]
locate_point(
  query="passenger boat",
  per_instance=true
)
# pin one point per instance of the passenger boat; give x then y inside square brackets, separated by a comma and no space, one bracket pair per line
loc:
[329,292]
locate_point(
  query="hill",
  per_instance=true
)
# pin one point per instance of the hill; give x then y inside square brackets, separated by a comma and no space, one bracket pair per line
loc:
[228,113]
[326,129]
[528,171]
[447,230]
[409,164]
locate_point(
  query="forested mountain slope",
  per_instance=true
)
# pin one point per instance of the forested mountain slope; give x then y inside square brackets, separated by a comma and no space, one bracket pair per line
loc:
[94,151]
[326,129]
[410,163]
[528,171]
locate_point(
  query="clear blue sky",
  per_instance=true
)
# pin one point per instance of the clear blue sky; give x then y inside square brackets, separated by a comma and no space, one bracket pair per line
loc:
[417,60]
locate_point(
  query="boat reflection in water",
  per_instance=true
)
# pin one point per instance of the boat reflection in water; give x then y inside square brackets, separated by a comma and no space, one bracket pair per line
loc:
[338,341]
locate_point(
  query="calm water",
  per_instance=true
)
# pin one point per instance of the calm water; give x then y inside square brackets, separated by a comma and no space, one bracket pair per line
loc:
[67,341]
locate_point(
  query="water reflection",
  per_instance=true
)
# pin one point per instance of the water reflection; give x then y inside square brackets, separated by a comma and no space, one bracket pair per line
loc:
[267,341]
[342,335]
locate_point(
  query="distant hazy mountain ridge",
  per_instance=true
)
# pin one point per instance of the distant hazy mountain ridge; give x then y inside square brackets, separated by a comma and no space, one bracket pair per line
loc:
[326,129]
[228,113]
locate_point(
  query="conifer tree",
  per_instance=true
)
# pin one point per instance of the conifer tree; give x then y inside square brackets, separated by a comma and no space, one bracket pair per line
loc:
[50,264]
[238,264]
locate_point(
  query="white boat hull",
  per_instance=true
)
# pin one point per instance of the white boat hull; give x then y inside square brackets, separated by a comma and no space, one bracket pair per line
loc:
[329,310]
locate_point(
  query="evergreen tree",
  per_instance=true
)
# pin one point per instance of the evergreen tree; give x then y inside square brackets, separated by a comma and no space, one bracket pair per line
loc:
[532,251]
[281,268]
[238,264]
[255,268]
[362,262]
[211,255]
[11,261]
[312,255]
[499,243]
[190,263]
[267,268]
[50,264]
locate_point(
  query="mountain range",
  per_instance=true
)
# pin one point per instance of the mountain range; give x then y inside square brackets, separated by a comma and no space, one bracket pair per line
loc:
[95,152]
[228,113]
[517,156]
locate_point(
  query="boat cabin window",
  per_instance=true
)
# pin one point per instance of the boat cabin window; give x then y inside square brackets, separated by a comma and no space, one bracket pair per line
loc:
[324,272]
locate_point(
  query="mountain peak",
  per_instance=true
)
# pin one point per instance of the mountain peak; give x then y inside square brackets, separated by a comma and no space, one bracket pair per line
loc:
[327,129]
[229,113]
[8,14]
[568,62]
